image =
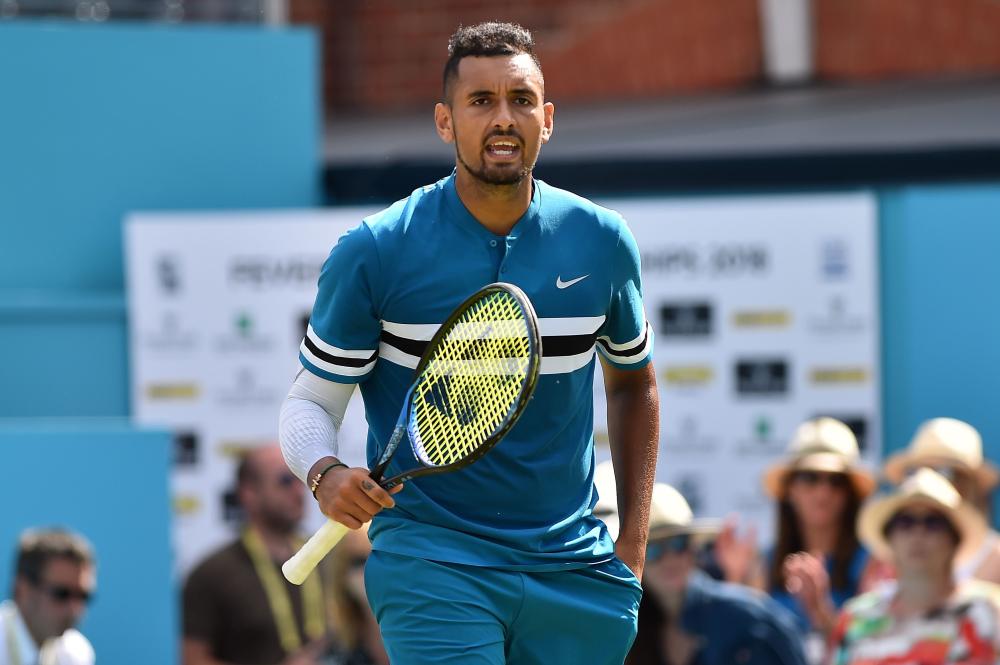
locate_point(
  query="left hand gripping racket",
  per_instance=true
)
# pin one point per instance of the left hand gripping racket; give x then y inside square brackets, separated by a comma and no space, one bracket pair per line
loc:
[472,384]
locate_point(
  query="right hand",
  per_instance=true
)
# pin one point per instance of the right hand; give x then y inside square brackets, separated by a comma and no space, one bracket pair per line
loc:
[350,496]
[735,554]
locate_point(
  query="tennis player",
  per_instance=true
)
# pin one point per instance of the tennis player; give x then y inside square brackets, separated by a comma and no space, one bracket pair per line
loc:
[502,562]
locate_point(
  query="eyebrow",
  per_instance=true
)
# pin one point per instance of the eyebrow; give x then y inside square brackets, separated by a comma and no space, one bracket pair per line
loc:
[490,93]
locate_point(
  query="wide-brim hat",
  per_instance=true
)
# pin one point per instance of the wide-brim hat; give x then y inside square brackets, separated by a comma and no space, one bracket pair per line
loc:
[825,445]
[606,507]
[928,488]
[945,442]
[670,515]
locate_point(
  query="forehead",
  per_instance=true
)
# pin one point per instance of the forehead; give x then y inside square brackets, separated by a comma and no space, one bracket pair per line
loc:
[498,72]
[67,571]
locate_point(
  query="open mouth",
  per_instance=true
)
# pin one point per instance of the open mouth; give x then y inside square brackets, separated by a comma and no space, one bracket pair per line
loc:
[503,149]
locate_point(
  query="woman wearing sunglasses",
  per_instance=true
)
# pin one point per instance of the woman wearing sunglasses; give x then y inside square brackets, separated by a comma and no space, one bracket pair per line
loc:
[924,617]
[686,618]
[817,562]
[955,450]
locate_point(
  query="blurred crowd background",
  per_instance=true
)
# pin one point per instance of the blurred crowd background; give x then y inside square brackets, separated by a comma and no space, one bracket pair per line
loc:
[134,380]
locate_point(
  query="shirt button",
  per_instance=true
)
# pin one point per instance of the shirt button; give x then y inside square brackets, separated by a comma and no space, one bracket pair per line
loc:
[493,243]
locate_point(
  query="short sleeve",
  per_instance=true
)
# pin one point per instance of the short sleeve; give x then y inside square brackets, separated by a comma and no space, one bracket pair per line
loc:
[625,339]
[199,606]
[341,342]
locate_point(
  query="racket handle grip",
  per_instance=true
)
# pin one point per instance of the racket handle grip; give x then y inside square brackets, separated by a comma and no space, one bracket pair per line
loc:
[297,569]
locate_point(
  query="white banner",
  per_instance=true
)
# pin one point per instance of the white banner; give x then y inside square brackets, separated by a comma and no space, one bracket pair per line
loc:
[764,309]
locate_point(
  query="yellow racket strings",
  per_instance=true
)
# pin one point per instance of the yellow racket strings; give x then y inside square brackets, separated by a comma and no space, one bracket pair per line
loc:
[473,381]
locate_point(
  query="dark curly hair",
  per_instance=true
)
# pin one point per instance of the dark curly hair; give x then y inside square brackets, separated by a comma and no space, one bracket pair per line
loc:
[486,39]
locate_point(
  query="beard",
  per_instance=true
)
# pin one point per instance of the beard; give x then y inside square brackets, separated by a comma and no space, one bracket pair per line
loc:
[496,176]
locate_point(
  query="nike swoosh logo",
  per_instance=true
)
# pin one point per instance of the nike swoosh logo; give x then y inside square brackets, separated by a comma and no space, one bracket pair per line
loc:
[565,285]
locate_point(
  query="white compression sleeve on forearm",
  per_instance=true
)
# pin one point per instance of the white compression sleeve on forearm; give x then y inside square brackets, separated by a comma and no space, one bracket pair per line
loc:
[310,420]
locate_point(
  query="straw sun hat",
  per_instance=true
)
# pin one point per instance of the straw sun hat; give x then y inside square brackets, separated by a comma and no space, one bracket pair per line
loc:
[824,445]
[670,515]
[927,488]
[944,442]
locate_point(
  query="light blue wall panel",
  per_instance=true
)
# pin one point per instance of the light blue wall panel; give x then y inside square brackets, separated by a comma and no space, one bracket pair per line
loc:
[108,482]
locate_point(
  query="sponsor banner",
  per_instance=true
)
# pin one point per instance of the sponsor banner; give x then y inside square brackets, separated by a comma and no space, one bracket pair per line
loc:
[218,304]
[765,311]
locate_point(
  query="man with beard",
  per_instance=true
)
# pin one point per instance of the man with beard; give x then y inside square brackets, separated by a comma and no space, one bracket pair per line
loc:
[238,608]
[503,561]
[54,579]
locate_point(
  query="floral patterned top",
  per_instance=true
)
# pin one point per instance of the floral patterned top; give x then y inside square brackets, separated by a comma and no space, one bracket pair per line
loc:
[962,632]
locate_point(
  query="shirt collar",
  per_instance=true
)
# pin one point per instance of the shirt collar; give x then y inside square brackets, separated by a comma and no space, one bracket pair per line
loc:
[465,219]
[27,649]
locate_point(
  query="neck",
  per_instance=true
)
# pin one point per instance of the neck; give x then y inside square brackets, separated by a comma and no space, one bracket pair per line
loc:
[819,538]
[35,634]
[278,542]
[919,592]
[497,207]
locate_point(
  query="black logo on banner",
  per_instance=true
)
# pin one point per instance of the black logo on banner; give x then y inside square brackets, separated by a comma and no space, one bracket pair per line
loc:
[762,377]
[691,319]
[185,448]
[232,510]
[168,274]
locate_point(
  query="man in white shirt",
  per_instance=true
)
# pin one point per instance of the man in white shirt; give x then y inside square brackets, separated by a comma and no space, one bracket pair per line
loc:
[54,581]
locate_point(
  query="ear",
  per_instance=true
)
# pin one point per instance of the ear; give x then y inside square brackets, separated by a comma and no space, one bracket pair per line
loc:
[549,111]
[443,122]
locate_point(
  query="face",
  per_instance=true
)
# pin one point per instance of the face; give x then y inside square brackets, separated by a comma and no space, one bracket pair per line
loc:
[818,498]
[57,601]
[922,541]
[275,497]
[669,562]
[496,117]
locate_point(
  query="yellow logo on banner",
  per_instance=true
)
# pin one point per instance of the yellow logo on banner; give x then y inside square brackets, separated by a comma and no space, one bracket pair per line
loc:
[164,391]
[687,375]
[828,375]
[185,504]
[763,318]
[237,449]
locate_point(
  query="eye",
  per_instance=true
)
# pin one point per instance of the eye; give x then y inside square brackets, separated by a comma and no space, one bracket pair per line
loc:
[523,101]
[479,101]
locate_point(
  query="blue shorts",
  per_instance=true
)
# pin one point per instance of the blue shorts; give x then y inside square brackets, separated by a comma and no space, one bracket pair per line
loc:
[432,612]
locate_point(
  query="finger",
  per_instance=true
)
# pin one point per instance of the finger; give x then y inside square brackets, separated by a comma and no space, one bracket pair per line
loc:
[358,499]
[356,516]
[379,495]
[397,489]
[347,520]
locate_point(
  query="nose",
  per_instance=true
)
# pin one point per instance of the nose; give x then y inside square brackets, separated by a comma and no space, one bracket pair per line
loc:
[504,118]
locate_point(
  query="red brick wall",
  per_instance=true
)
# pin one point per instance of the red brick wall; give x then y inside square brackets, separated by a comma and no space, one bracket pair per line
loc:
[876,39]
[385,55]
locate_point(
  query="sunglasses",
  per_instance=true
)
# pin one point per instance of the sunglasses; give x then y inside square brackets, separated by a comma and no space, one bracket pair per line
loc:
[814,478]
[64,594]
[286,480]
[672,545]
[931,523]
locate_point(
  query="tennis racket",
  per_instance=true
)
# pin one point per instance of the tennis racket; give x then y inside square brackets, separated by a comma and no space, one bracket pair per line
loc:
[472,384]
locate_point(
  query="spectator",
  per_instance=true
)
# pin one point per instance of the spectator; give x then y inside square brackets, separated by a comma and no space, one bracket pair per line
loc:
[238,608]
[54,579]
[356,631]
[955,450]
[816,563]
[687,618]
[924,617]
